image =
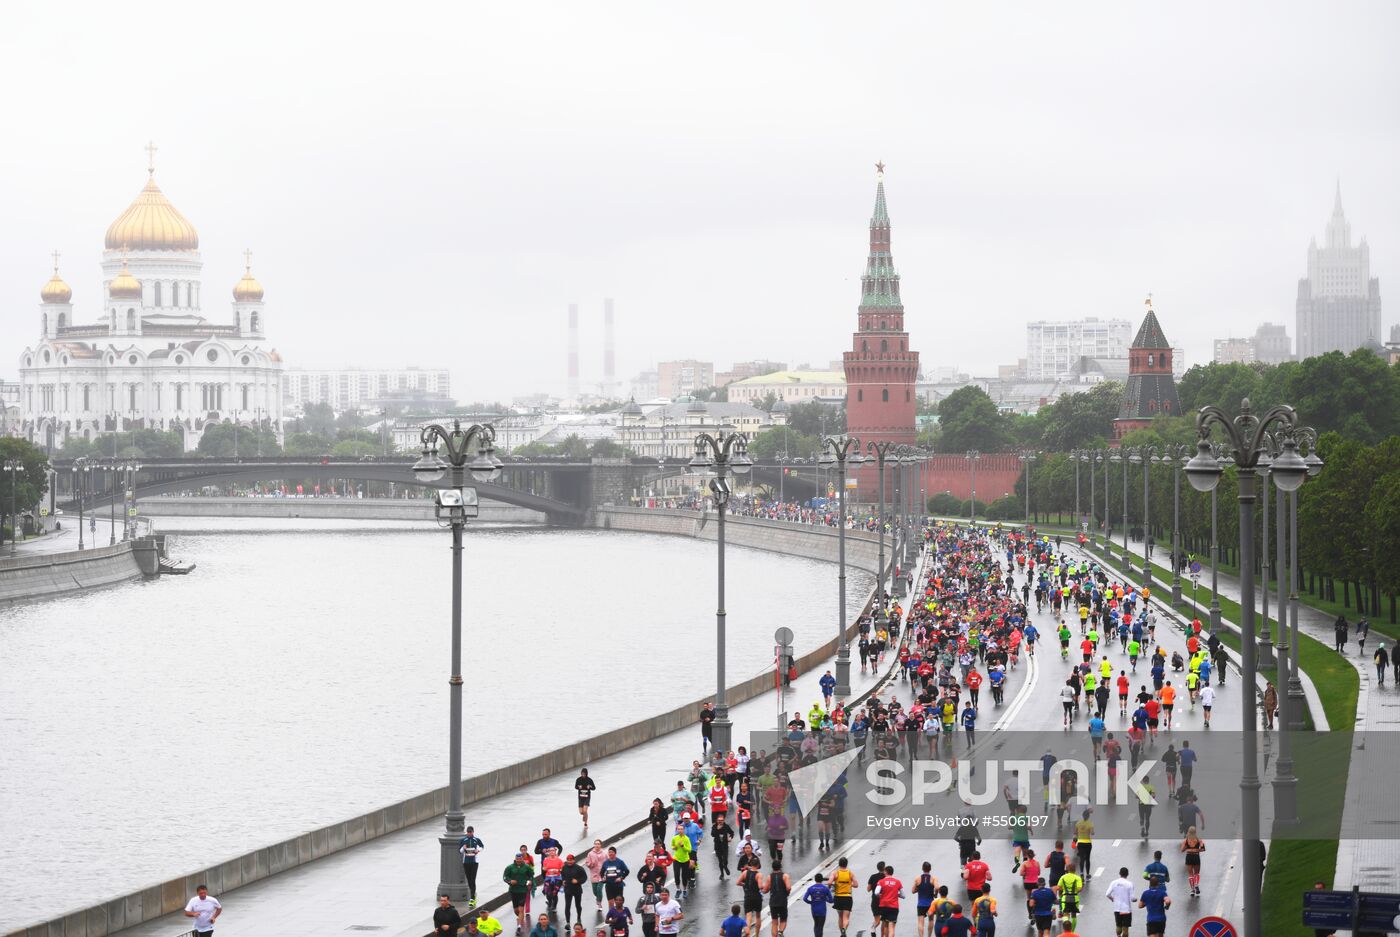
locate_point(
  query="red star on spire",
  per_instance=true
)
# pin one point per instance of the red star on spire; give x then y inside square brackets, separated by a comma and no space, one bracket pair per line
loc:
[880,168]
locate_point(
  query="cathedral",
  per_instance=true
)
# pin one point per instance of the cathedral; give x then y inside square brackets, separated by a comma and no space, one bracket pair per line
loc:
[148,359]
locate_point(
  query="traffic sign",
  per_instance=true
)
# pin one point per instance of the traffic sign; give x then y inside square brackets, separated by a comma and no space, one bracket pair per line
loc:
[783,635]
[1213,927]
[1195,567]
[130,512]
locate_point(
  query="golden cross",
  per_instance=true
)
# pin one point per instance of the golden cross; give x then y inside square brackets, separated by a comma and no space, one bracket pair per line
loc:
[55,262]
[248,258]
[151,156]
[1148,303]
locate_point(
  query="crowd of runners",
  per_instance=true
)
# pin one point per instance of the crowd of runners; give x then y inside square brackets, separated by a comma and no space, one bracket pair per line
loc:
[968,626]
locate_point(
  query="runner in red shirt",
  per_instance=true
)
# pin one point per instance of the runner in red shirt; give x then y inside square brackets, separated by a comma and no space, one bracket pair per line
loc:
[1123,688]
[974,682]
[1154,711]
[976,873]
[1086,647]
[888,891]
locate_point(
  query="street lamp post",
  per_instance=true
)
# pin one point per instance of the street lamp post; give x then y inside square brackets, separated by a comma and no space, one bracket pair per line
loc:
[1075,456]
[1027,456]
[840,451]
[13,466]
[1145,455]
[881,450]
[1105,458]
[1245,438]
[972,457]
[471,449]
[722,454]
[1121,455]
[1090,457]
[1307,436]
[1266,648]
[1176,455]
[113,468]
[82,472]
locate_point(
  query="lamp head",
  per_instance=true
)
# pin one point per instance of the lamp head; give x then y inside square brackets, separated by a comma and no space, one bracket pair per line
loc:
[429,468]
[1204,469]
[701,461]
[1289,469]
[828,458]
[739,461]
[1314,463]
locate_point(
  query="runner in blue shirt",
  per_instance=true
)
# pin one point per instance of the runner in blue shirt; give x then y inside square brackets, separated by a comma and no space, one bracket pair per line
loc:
[1156,869]
[734,925]
[1096,731]
[1042,902]
[969,722]
[818,896]
[828,685]
[1156,902]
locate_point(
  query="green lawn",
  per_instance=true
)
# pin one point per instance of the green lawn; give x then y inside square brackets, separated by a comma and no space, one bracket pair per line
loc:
[1295,864]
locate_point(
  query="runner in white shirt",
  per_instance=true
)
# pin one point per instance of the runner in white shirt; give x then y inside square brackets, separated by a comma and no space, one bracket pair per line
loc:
[1207,698]
[205,911]
[1120,892]
[668,914]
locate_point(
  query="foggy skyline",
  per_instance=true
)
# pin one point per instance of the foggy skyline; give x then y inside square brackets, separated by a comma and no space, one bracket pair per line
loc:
[435,187]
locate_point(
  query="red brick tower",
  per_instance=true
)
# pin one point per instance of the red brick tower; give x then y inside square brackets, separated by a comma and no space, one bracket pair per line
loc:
[881,371]
[1151,389]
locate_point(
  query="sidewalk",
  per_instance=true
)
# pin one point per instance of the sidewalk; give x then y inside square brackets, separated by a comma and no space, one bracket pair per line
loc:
[1368,863]
[387,884]
[65,540]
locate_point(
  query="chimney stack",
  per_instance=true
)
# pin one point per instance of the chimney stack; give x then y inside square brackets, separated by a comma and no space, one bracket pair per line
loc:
[609,358]
[573,350]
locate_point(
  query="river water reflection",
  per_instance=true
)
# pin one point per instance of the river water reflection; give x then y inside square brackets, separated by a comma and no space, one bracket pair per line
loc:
[299,676]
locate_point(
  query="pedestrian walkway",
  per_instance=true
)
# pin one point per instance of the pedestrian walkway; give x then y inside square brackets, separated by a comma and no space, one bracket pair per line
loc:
[386,885]
[1367,863]
[66,539]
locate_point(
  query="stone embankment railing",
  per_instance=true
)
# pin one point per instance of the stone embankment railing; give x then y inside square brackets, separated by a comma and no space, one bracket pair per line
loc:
[170,896]
[40,575]
[379,509]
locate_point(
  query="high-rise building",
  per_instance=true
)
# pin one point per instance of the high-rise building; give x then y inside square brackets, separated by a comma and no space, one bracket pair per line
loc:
[1151,389]
[881,370]
[683,378]
[744,369]
[1052,348]
[1233,351]
[1339,302]
[1272,344]
[355,388]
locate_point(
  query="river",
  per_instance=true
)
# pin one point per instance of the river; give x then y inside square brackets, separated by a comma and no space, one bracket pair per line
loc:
[299,676]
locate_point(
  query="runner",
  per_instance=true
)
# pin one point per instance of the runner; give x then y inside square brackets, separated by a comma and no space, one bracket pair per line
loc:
[843,882]
[1156,901]
[1068,890]
[817,897]
[585,787]
[778,887]
[1193,846]
[888,891]
[1120,892]
[925,890]
[975,874]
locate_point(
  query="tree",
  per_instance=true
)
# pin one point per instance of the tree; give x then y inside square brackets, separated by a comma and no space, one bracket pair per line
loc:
[318,419]
[228,440]
[309,444]
[945,505]
[354,449]
[608,449]
[766,446]
[969,419]
[814,418]
[77,446]
[30,481]
[1081,420]
[156,444]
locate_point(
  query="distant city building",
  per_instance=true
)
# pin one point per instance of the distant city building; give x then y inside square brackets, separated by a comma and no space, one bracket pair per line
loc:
[791,387]
[1053,347]
[646,385]
[9,408]
[881,369]
[364,388]
[1233,351]
[149,359]
[669,430]
[683,378]
[1339,302]
[743,369]
[1151,388]
[1272,344]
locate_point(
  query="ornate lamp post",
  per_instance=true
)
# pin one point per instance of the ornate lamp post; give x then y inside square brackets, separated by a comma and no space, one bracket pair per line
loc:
[1245,439]
[13,466]
[1266,648]
[1103,456]
[881,451]
[841,451]
[1121,455]
[1176,457]
[972,457]
[1027,456]
[722,454]
[82,474]
[471,449]
[1307,437]
[1145,455]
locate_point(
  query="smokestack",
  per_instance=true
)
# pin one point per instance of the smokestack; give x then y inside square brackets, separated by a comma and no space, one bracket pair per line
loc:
[609,359]
[573,350]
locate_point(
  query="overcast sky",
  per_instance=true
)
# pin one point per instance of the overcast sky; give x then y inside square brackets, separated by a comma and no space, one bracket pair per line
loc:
[433,184]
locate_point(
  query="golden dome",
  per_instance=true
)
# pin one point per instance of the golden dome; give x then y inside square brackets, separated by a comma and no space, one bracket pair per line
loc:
[248,289]
[125,286]
[55,291]
[151,223]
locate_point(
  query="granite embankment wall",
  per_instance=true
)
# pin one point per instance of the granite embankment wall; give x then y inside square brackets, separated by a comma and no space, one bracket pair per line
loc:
[170,896]
[369,509]
[39,575]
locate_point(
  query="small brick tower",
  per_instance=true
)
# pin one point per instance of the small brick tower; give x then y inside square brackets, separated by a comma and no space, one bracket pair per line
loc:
[1151,389]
